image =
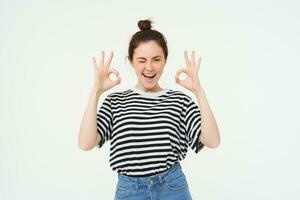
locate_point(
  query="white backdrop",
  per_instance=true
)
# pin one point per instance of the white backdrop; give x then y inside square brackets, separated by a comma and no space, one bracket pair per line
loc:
[249,73]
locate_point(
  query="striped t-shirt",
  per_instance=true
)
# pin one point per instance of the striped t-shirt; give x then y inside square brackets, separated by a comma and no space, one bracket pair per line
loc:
[148,132]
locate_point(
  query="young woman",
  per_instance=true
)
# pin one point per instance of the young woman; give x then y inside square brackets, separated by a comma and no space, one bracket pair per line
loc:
[149,127]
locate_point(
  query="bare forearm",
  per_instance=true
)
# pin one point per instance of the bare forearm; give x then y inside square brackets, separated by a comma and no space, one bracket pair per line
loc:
[210,135]
[88,128]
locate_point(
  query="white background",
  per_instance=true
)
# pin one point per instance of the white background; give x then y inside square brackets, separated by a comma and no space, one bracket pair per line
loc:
[249,72]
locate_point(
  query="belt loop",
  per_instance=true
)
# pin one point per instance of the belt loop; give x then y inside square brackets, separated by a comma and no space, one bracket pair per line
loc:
[160,179]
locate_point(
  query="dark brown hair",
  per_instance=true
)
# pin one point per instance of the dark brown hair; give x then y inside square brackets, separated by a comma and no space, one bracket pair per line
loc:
[146,34]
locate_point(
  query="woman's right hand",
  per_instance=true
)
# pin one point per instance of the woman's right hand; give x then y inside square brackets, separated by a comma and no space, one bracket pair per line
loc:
[102,82]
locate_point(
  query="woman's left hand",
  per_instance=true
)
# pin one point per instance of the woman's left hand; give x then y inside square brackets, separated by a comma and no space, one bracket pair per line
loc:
[192,82]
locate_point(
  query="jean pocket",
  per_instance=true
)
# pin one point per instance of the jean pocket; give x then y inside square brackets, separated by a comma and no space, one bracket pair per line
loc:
[125,189]
[177,182]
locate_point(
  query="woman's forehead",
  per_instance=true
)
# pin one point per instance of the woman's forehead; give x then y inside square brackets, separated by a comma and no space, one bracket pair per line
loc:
[148,50]
[141,57]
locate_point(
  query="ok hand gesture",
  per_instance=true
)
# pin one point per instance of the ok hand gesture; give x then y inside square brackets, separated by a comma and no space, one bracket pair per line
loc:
[192,82]
[102,71]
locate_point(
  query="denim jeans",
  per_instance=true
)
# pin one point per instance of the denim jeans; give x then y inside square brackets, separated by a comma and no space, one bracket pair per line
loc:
[170,184]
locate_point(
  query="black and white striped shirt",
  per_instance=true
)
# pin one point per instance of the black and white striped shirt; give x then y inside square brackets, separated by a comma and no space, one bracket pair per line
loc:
[148,132]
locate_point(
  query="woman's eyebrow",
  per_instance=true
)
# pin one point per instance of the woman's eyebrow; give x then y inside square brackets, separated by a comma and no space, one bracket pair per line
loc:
[145,58]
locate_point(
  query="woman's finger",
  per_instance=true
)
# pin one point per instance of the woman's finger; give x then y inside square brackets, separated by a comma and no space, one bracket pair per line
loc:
[199,62]
[116,73]
[94,63]
[180,71]
[101,60]
[187,60]
[193,59]
[113,70]
[118,77]
[108,62]
[177,79]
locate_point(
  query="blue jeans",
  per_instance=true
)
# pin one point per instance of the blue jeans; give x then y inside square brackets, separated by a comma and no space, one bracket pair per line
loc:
[170,184]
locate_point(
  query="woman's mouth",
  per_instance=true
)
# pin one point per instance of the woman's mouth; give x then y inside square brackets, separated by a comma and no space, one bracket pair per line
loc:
[148,77]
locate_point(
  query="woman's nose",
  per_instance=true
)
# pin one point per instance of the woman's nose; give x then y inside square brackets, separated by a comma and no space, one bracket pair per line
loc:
[148,66]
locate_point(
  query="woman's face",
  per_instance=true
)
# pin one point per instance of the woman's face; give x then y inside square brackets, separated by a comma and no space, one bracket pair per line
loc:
[148,62]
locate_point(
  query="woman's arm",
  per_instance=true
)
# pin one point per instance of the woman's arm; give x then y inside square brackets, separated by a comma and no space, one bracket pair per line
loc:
[210,135]
[88,136]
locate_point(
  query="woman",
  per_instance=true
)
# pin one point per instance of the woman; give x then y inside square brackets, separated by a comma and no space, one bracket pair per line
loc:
[149,127]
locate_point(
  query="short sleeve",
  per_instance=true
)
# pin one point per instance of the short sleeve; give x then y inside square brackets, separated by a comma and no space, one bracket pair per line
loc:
[104,121]
[193,126]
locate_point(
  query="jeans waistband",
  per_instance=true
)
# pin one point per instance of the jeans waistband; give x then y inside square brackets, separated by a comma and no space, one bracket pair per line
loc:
[160,177]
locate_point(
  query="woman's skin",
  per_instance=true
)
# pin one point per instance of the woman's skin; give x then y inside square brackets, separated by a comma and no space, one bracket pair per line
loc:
[210,135]
[148,59]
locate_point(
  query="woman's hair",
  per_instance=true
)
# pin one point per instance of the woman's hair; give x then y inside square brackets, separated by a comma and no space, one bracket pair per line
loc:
[146,34]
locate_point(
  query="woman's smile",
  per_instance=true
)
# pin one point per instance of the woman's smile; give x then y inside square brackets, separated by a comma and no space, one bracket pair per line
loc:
[148,78]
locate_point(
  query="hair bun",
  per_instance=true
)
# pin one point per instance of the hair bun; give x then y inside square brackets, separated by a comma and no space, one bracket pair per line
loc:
[145,24]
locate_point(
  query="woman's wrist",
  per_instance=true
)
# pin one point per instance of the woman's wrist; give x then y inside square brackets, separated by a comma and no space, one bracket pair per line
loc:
[96,92]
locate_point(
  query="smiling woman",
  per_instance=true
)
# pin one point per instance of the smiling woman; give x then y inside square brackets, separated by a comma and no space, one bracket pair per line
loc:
[148,62]
[148,53]
[149,127]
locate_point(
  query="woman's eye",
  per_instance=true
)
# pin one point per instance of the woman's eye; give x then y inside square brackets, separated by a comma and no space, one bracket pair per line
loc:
[154,60]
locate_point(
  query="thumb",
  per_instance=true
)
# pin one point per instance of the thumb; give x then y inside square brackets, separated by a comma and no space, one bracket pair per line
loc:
[178,72]
[113,70]
[177,80]
[117,81]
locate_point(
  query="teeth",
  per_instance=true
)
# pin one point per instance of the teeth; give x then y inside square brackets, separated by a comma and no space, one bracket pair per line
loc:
[150,76]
